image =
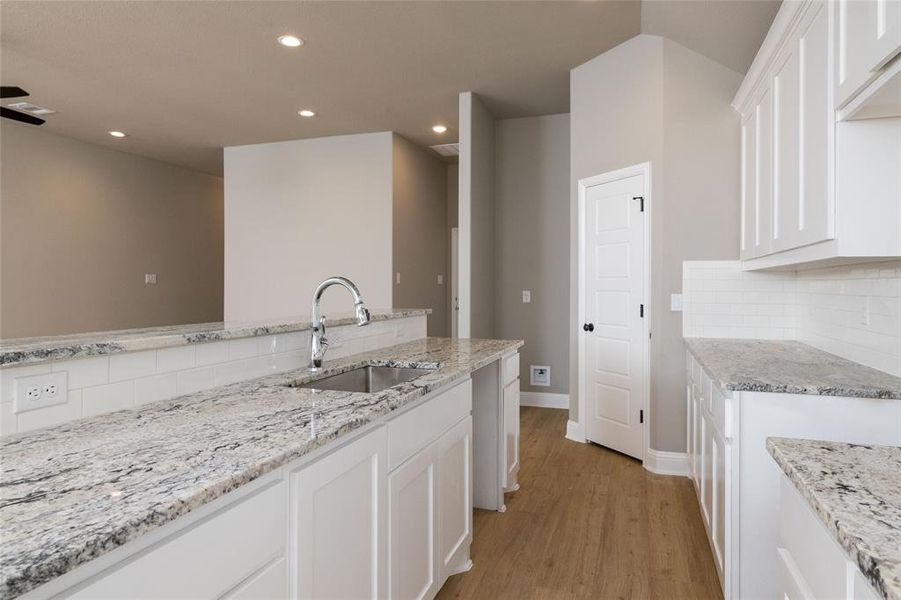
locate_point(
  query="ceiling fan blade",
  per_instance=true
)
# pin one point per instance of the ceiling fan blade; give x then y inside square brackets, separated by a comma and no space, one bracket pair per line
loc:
[15,115]
[12,91]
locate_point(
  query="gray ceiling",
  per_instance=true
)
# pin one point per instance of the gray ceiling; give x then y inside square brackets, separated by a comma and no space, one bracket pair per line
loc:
[184,79]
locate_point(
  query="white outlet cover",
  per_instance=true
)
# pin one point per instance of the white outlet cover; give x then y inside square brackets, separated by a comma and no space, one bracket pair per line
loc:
[150,278]
[526,296]
[53,389]
[540,375]
[440,279]
[675,302]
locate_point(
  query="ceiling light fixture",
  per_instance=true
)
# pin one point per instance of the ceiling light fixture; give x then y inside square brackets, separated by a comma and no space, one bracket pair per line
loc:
[291,41]
[439,128]
[117,134]
[306,113]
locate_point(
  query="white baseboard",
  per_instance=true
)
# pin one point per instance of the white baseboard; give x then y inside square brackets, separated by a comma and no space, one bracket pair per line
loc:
[574,432]
[544,400]
[666,463]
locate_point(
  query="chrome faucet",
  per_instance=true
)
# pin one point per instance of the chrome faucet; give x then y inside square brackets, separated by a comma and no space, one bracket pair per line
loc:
[319,343]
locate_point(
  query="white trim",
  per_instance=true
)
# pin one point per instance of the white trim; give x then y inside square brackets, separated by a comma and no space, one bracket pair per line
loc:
[666,463]
[643,169]
[574,432]
[544,400]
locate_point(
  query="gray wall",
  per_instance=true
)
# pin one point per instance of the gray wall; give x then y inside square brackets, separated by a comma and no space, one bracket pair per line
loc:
[82,224]
[532,243]
[420,251]
[650,99]
[477,216]
[453,208]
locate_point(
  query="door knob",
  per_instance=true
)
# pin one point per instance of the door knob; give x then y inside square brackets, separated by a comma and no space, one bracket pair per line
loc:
[588,326]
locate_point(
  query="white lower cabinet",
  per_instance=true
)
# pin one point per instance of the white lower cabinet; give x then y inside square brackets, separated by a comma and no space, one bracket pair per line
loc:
[455,499]
[812,564]
[737,482]
[511,434]
[338,522]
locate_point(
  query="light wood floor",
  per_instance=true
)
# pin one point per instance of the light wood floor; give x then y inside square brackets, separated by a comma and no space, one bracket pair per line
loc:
[587,523]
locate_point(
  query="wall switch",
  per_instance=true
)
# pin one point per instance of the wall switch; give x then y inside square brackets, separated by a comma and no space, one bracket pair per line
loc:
[540,375]
[675,302]
[440,279]
[526,296]
[397,278]
[39,391]
[150,278]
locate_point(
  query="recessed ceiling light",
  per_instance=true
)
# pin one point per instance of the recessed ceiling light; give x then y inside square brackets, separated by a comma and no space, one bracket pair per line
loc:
[291,41]
[117,134]
[306,113]
[439,128]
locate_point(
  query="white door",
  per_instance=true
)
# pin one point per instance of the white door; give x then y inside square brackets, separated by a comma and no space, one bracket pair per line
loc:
[455,280]
[615,312]
[338,517]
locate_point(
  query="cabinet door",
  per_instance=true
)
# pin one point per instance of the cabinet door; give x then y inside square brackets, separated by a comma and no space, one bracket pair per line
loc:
[411,520]
[817,123]
[696,432]
[689,428]
[338,533]
[867,36]
[785,149]
[749,185]
[718,524]
[454,491]
[511,434]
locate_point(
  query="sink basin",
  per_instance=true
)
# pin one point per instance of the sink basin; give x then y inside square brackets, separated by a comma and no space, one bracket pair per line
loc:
[365,379]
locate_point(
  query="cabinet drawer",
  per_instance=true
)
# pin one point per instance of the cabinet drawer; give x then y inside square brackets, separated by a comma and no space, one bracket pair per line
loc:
[511,368]
[418,427]
[207,560]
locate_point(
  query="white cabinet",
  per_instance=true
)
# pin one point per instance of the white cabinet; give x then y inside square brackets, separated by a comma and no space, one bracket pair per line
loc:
[511,435]
[812,564]
[455,498]
[814,189]
[736,480]
[338,519]
[412,515]
[867,37]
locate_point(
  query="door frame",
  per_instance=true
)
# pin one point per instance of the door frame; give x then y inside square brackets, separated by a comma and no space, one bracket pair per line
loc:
[643,169]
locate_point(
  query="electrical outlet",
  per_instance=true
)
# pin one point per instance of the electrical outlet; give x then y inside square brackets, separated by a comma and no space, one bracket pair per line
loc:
[150,278]
[39,391]
[526,296]
[440,279]
[540,375]
[675,302]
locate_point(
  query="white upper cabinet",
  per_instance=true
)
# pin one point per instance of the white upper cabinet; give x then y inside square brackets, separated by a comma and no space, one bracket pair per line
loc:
[802,200]
[867,39]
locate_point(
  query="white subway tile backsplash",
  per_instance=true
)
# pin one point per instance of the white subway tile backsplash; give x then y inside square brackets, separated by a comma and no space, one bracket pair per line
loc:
[194,380]
[851,311]
[175,359]
[158,387]
[103,384]
[108,398]
[85,372]
[131,365]
[51,415]
[211,353]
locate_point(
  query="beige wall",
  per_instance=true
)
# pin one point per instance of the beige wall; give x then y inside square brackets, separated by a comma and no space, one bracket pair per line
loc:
[80,225]
[476,218]
[650,99]
[420,250]
[532,244]
[298,212]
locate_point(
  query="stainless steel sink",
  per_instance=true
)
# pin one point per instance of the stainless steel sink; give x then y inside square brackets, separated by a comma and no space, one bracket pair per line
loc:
[365,379]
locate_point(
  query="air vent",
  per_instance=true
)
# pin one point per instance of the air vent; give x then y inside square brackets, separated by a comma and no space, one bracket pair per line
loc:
[447,149]
[32,109]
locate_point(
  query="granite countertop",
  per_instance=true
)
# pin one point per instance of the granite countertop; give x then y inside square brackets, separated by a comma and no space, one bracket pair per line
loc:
[71,493]
[788,367]
[855,490]
[20,351]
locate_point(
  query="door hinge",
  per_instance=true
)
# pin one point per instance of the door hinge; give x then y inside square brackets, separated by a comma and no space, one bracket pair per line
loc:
[641,310]
[641,416]
[641,200]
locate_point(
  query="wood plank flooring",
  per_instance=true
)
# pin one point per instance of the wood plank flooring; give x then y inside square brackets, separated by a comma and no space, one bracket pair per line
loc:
[587,523]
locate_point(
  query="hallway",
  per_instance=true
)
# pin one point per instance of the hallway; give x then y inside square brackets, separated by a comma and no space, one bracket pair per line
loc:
[587,523]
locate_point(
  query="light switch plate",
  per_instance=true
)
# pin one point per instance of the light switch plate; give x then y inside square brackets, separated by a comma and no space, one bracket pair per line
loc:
[526,296]
[397,278]
[150,278]
[675,302]
[440,279]
[40,391]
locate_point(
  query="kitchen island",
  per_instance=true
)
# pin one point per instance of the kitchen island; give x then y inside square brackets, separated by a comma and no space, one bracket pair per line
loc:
[85,500]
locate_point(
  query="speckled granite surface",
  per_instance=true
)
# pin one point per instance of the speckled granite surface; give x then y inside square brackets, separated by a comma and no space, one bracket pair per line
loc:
[856,492]
[39,349]
[788,367]
[60,504]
